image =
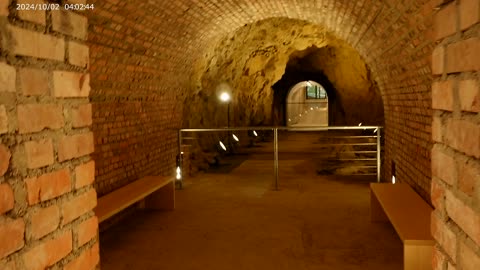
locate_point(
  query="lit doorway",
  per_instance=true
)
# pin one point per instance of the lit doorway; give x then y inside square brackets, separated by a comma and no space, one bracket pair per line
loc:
[307,105]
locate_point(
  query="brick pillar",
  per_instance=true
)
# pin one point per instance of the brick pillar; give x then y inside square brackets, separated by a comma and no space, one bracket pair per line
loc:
[46,173]
[456,133]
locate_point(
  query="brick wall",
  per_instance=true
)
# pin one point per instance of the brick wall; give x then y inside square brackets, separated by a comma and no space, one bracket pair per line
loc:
[456,134]
[136,92]
[46,173]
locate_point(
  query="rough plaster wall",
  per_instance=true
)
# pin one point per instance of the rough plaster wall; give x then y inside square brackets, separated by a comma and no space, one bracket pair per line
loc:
[46,173]
[136,93]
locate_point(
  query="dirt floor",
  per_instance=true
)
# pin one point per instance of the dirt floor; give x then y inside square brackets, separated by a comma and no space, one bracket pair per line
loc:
[237,221]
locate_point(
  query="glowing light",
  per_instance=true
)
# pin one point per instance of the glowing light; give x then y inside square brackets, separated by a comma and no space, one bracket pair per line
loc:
[375,131]
[311,108]
[179,173]
[360,124]
[181,153]
[235,137]
[393,179]
[223,146]
[255,133]
[289,120]
[225,97]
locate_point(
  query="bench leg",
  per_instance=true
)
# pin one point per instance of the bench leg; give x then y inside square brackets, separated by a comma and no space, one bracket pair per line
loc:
[417,257]
[377,214]
[162,199]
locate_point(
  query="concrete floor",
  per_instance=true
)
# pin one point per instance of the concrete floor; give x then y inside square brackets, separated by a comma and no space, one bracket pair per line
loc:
[236,221]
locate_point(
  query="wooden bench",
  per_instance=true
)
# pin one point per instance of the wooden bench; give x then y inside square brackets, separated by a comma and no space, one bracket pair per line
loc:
[158,192]
[410,216]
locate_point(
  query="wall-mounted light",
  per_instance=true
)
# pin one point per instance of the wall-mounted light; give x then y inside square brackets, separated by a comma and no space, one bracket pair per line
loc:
[235,137]
[223,146]
[394,170]
[255,133]
[311,108]
[375,131]
[393,179]
[360,124]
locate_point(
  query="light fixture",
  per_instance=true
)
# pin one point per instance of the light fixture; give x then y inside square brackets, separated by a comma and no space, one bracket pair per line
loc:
[179,173]
[360,124]
[255,133]
[223,146]
[311,108]
[375,131]
[235,137]
[393,179]
[225,97]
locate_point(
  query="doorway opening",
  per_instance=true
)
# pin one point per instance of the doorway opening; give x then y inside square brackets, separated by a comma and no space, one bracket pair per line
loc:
[307,105]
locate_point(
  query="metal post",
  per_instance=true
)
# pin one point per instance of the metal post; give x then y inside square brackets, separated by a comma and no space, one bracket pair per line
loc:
[379,162]
[275,156]
[179,182]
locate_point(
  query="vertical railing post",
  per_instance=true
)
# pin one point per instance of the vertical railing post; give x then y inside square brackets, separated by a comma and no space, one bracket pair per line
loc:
[379,162]
[275,156]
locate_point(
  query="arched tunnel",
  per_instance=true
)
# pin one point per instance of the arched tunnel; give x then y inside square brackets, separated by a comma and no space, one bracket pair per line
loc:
[93,93]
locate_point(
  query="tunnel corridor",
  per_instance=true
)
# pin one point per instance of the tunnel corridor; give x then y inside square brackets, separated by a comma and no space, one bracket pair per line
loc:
[93,94]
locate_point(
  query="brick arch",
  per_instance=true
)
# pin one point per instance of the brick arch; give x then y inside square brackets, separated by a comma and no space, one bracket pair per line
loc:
[144,51]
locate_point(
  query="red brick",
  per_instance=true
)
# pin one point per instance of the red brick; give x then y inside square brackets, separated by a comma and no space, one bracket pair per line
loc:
[442,95]
[36,117]
[70,23]
[4,8]
[438,60]
[469,13]
[464,216]
[35,16]
[44,221]
[71,84]
[87,230]
[85,174]
[35,44]
[3,119]
[463,56]
[438,195]
[78,206]
[11,236]
[82,116]
[48,186]
[88,260]
[443,166]
[4,159]
[468,178]
[445,22]
[7,78]
[463,135]
[39,153]
[7,200]
[444,236]
[469,92]
[469,260]
[78,54]
[75,146]
[48,253]
[438,259]
[33,82]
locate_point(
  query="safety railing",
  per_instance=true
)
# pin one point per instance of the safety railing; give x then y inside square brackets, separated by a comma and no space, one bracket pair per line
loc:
[375,134]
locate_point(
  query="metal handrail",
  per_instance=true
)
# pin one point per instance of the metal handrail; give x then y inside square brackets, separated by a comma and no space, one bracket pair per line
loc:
[275,130]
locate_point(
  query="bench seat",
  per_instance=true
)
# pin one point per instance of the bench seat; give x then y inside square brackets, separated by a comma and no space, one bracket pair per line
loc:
[158,192]
[410,216]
